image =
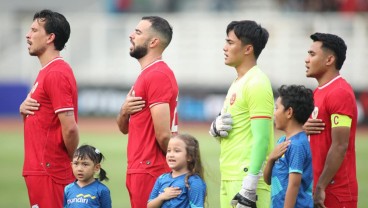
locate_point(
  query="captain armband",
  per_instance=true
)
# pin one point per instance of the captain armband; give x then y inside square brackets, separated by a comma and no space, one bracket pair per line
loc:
[338,120]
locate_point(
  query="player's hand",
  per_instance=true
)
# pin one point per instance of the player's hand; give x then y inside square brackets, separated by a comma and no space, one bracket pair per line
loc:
[247,196]
[170,192]
[279,150]
[319,198]
[28,106]
[221,125]
[314,126]
[132,103]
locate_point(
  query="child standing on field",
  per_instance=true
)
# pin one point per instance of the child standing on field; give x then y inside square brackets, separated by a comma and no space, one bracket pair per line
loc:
[289,166]
[87,191]
[184,185]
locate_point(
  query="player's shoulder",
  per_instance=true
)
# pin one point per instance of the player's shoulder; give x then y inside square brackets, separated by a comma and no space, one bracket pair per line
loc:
[70,185]
[195,179]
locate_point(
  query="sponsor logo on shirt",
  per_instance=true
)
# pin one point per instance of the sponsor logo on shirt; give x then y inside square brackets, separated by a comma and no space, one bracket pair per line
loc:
[81,198]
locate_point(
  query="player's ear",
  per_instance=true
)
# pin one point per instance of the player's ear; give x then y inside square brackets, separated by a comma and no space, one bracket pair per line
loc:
[330,60]
[154,42]
[51,38]
[248,49]
[97,168]
[289,112]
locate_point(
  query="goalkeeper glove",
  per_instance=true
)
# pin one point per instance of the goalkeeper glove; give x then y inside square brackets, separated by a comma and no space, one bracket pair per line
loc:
[247,196]
[221,125]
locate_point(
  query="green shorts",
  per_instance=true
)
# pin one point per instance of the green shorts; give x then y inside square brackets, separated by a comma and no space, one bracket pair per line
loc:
[230,188]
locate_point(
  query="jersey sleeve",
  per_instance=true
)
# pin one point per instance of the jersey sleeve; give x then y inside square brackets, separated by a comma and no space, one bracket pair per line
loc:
[60,91]
[196,192]
[297,156]
[105,198]
[155,190]
[340,101]
[66,191]
[159,88]
[260,98]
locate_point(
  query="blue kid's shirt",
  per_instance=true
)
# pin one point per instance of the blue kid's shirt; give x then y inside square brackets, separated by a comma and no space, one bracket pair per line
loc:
[297,159]
[192,197]
[94,195]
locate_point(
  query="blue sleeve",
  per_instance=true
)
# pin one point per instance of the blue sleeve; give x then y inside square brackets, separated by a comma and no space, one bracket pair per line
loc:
[196,192]
[105,198]
[66,190]
[297,156]
[155,190]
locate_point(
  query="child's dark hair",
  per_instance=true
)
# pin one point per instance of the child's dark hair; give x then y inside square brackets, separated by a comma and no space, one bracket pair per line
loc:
[300,99]
[88,151]
[193,153]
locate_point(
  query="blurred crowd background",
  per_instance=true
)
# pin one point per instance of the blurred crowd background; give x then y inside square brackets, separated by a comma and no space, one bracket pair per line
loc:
[98,49]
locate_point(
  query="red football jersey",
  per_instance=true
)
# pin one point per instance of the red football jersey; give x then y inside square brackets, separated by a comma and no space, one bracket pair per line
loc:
[335,97]
[45,153]
[156,84]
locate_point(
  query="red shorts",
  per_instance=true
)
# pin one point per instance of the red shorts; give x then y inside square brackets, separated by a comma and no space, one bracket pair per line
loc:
[139,186]
[43,192]
[331,201]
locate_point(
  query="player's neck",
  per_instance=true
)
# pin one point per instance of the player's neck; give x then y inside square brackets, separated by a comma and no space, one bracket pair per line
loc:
[243,68]
[48,56]
[176,173]
[327,77]
[292,129]
[148,60]
[86,182]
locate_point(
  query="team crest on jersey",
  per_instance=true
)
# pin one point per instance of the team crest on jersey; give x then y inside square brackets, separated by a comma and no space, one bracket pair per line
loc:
[34,87]
[232,99]
[315,112]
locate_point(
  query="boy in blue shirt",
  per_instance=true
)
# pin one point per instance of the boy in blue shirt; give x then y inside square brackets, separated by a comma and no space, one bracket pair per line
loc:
[289,166]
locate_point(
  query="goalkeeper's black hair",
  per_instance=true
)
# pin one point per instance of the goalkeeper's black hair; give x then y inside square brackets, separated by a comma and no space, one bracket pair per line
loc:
[300,99]
[249,32]
[87,151]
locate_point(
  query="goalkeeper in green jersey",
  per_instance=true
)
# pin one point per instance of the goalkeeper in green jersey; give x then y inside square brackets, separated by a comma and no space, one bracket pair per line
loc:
[245,125]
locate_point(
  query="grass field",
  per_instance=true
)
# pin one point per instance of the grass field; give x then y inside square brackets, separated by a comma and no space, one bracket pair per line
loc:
[105,136]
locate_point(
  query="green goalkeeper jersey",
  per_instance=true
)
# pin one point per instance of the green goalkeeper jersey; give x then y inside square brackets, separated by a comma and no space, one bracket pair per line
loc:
[249,98]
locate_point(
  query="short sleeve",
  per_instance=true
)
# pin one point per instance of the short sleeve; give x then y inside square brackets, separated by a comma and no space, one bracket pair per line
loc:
[105,198]
[339,101]
[159,88]
[155,190]
[297,156]
[60,91]
[196,192]
[259,96]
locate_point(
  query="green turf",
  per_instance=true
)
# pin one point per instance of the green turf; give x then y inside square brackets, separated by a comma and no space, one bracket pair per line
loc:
[113,145]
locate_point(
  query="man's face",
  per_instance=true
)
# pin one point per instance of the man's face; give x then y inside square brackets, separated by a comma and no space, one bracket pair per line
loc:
[140,39]
[316,60]
[233,50]
[37,38]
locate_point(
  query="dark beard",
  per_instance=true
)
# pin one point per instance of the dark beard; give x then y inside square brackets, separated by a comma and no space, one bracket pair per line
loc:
[139,52]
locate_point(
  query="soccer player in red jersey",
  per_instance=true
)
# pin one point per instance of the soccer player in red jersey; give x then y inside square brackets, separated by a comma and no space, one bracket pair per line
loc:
[49,113]
[148,114]
[332,125]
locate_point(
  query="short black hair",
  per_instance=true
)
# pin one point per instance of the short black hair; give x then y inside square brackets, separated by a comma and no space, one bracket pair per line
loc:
[249,32]
[300,99]
[335,44]
[162,27]
[55,23]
